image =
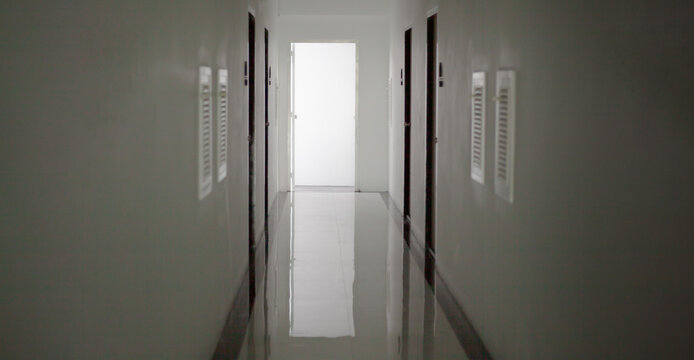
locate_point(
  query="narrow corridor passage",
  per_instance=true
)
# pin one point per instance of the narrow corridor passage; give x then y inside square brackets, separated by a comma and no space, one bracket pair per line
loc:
[340,284]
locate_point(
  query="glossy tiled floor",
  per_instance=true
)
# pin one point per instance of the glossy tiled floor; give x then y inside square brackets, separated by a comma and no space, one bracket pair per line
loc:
[339,284]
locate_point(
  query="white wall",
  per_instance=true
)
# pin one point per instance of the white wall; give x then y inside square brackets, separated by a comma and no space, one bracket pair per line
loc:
[371,36]
[105,249]
[594,257]
[334,7]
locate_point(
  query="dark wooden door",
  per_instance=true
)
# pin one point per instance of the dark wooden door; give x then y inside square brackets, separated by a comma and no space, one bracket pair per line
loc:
[407,83]
[431,140]
[250,73]
[267,120]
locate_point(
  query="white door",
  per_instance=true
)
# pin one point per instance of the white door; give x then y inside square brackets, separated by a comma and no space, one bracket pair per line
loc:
[324,102]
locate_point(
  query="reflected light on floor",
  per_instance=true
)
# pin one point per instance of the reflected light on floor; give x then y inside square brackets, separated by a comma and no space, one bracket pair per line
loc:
[322,267]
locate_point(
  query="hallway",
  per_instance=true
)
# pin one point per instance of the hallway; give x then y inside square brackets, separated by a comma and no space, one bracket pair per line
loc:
[519,177]
[338,278]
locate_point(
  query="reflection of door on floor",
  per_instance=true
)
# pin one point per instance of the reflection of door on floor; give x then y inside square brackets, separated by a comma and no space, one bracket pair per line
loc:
[322,270]
[324,96]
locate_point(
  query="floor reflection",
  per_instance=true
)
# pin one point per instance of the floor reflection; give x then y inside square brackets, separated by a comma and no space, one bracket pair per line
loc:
[340,284]
[321,266]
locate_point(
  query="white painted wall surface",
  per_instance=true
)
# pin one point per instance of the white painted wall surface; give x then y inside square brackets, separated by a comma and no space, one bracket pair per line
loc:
[594,257]
[371,36]
[334,7]
[105,249]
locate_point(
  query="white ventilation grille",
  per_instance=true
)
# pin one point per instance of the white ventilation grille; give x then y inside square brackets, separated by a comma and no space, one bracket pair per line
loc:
[222,85]
[505,133]
[477,126]
[205,133]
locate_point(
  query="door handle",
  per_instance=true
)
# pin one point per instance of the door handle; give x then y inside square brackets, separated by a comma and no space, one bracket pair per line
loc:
[440,74]
[245,73]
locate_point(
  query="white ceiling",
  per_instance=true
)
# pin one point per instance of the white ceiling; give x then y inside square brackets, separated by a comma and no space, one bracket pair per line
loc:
[333,7]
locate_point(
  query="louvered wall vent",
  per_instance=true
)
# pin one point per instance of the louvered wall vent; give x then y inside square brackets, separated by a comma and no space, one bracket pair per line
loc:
[477,127]
[505,133]
[222,84]
[205,132]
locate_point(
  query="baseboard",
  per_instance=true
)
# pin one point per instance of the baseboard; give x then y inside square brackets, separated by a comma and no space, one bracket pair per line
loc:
[231,340]
[426,260]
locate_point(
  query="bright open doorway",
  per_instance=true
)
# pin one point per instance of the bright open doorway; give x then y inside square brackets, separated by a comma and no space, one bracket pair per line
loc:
[323,100]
